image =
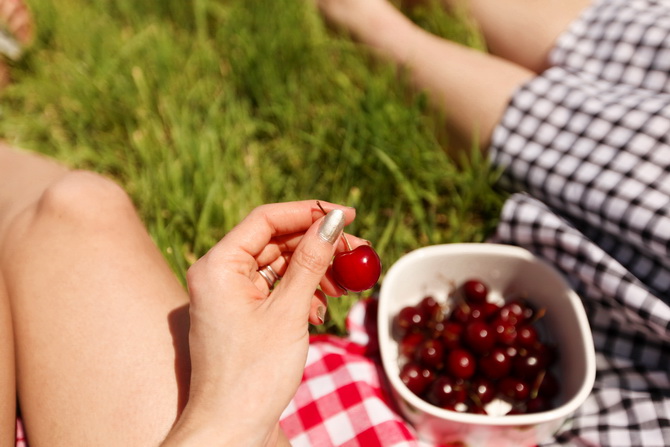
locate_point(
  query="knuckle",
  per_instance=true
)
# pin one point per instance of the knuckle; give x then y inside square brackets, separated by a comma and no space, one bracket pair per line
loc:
[194,276]
[311,261]
[260,212]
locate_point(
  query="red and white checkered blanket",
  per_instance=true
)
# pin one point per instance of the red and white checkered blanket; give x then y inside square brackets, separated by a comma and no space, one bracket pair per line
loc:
[343,399]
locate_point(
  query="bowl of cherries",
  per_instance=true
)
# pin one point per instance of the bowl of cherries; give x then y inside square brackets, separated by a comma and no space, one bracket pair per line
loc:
[483,345]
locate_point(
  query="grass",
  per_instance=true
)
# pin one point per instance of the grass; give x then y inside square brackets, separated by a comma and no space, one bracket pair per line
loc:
[203,110]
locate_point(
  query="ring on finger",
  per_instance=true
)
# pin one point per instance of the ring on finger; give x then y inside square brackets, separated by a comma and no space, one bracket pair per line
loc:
[269,275]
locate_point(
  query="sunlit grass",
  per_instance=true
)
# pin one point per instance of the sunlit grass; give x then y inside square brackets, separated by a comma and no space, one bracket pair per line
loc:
[203,110]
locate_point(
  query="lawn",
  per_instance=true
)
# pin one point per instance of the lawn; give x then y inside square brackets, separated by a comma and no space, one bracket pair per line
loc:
[205,109]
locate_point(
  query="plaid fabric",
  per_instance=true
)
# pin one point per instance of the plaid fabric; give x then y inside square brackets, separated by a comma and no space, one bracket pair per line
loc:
[343,400]
[588,144]
[20,435]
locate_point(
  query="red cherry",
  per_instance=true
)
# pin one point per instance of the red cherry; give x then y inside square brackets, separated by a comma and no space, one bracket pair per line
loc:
[409,319]
[410,343]
[447,392]
[483,390]
[496,364]
[514,389]
[475,291]
[430,307]
[430,354]
[451,334]
[416,377]
[528,366]
[526,336]
[461,363]
[479,336]
[505,332]
[358,269]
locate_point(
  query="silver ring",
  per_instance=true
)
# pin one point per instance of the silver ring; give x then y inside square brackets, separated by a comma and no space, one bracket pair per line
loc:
[269,274]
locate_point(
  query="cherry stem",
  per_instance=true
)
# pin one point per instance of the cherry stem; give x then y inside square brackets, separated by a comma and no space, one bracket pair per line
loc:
[346,242]
[538,315]
[538,382]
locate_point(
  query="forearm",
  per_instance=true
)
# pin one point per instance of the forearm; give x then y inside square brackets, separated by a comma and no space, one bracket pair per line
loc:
[193,430]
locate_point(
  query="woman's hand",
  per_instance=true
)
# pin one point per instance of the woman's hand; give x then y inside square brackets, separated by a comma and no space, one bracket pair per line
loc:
[249,341]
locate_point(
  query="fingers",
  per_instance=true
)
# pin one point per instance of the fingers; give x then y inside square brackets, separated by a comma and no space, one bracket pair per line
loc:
[283,246]
[268,222]
[310,261]
[278,253]
[271,234]
[317,313]
[297,241]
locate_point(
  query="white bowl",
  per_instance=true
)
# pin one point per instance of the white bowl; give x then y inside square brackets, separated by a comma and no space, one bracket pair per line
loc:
[505,269]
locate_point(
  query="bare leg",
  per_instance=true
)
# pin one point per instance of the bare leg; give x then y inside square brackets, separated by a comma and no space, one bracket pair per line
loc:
[100,321]
[24,178]
[7,387]
[523,31]
[473,88]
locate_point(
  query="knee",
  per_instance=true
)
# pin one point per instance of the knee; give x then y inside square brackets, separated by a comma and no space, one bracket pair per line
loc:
[84,198]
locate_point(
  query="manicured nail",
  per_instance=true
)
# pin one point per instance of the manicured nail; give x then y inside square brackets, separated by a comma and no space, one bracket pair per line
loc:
[332,226]
[321,314]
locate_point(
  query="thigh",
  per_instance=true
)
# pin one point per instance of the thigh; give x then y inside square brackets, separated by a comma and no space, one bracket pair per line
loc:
[523,31]
[101,322]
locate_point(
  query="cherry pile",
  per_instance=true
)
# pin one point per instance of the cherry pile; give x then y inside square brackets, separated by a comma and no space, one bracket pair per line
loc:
[464,356]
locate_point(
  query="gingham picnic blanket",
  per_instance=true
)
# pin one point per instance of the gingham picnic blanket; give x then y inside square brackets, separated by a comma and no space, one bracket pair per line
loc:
[343,399]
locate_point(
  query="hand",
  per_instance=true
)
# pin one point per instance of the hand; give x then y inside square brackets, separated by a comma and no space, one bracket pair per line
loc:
[249,342]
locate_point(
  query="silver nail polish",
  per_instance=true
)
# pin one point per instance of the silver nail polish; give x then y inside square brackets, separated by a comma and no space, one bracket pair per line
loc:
[321,314]
[332,226]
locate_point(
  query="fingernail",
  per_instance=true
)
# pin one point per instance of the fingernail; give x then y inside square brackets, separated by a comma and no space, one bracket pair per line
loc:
[332,226]
[321,314]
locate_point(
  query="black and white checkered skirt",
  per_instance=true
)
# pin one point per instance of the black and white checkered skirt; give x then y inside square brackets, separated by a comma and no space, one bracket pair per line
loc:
[587,146]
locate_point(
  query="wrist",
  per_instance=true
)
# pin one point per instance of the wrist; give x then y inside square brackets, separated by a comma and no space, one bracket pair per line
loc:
[195,429]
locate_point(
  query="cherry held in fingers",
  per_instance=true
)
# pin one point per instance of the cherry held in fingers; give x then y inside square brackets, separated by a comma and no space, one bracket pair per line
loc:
[358,269]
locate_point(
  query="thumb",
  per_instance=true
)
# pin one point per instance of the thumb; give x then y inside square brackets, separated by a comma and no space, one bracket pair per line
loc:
[310,260]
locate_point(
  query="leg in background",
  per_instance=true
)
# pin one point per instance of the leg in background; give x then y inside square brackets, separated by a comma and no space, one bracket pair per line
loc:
[470,86]
[522,31]
[473,88]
